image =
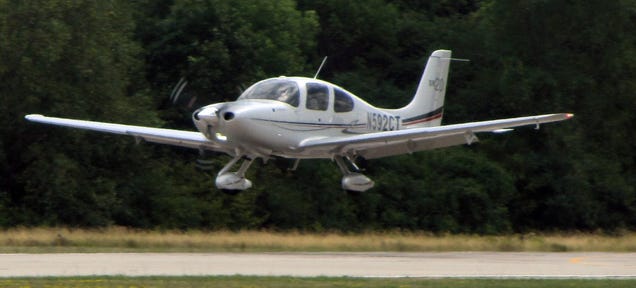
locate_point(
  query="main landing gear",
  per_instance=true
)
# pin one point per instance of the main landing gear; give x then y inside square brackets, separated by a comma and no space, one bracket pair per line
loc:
[352,181]
[235,182]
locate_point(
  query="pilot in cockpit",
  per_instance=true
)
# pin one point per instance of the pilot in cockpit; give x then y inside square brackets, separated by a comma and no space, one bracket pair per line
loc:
[284,93]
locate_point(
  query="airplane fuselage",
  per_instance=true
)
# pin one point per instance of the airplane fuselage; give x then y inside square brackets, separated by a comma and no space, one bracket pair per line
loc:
[262,122]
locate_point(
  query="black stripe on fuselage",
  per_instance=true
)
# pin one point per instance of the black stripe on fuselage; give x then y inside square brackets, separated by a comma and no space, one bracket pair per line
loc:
[326,125]
[435,114]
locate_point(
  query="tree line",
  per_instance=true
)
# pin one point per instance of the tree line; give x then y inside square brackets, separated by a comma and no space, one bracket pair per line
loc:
[119,61]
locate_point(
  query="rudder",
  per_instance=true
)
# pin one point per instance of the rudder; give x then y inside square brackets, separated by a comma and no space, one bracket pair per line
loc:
[427,107]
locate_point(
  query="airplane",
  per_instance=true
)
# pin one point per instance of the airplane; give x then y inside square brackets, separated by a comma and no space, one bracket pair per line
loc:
[307,118]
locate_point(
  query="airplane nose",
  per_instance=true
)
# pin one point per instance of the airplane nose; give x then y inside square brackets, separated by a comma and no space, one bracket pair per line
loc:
[209,115]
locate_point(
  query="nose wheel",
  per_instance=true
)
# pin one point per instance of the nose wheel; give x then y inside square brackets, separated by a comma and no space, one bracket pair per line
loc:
[234,182]
[353,181]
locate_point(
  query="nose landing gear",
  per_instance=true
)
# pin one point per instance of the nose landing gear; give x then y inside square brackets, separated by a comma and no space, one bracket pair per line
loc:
[234,182]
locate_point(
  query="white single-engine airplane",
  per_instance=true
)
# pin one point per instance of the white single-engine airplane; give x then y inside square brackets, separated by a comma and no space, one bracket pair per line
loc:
[306,118]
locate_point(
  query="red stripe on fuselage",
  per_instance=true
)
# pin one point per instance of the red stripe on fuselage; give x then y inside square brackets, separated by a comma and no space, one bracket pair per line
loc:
[427,119]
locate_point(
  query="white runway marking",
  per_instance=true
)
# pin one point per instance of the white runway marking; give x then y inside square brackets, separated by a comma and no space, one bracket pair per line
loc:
[434,265]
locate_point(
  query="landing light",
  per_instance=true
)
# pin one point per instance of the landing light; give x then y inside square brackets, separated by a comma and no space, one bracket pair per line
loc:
[501,131]
[220,136]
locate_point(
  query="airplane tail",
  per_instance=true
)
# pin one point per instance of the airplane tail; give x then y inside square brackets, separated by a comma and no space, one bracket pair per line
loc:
[427,107]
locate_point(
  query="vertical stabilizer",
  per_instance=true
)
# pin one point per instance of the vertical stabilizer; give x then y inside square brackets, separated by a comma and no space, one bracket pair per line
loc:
[427,107]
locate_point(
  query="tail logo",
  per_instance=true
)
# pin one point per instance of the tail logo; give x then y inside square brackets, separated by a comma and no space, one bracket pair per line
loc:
[437,84]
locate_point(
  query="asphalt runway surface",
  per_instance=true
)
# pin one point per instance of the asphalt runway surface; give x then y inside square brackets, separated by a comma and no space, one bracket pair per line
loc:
[389,264]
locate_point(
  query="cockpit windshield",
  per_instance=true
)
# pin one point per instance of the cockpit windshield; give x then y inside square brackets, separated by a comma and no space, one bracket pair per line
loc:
[274,89]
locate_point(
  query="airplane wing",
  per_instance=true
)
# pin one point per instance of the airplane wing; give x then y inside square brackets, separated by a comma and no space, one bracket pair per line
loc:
[181,138]
[389,143]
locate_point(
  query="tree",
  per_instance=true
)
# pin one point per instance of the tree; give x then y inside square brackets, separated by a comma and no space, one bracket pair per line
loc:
[104,60]
[53,65]
[222,46]
[577,61]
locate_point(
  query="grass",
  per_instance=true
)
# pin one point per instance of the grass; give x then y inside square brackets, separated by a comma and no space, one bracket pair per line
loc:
[242,281]
[118,239]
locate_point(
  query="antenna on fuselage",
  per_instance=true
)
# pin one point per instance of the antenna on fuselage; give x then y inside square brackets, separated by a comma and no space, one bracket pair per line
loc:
[320,68]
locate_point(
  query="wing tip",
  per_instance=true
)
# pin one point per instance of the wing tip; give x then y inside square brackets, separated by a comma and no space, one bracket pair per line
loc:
[32,117]
[569,115]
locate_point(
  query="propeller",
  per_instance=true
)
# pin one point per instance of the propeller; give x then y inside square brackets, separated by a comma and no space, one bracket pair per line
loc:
[205,165]
[185,100]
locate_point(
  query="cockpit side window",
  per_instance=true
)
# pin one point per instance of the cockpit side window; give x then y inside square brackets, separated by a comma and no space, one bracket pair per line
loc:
[343,101]
[317,96]
[274,89]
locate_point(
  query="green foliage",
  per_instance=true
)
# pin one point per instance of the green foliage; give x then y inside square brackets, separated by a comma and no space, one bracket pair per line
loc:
[221,46]
[52,64]
[577,61]
[453,190]
[118,61]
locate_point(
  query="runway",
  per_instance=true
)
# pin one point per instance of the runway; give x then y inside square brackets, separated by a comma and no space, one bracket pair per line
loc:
[433,265]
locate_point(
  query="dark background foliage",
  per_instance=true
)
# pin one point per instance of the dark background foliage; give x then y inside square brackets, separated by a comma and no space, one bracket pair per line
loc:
[118,61]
